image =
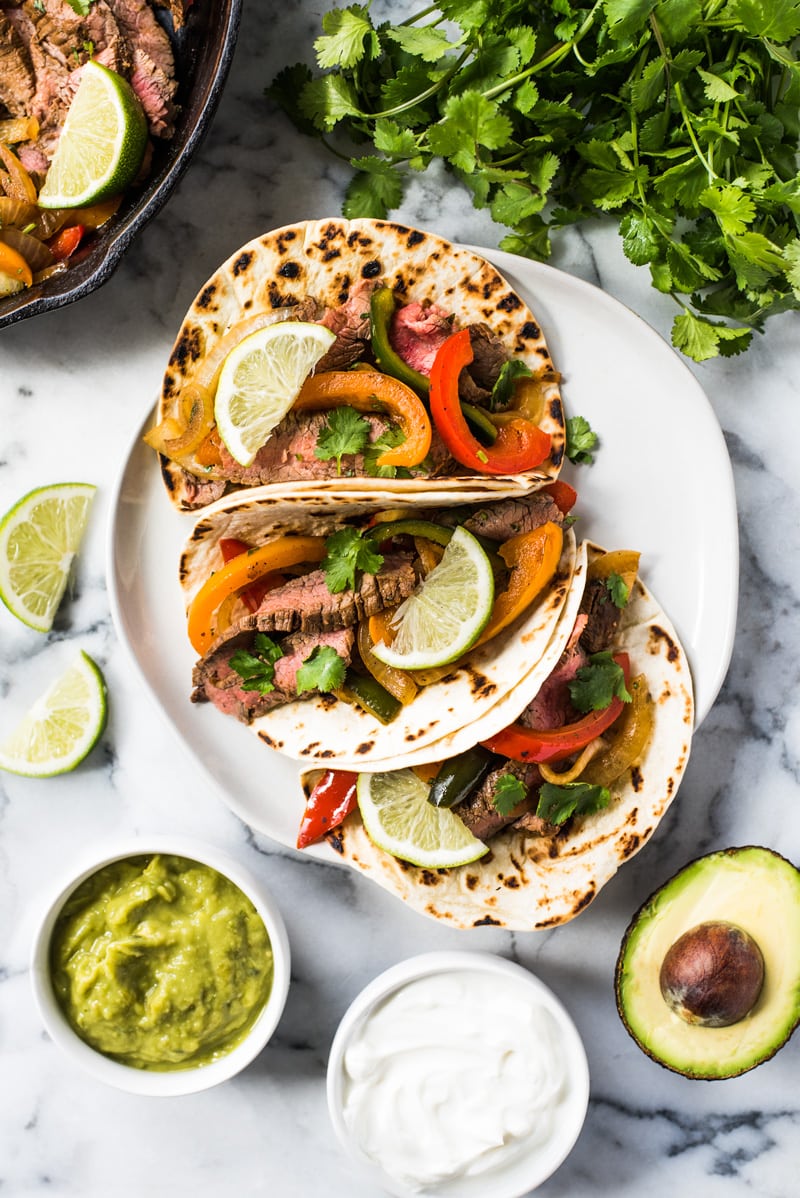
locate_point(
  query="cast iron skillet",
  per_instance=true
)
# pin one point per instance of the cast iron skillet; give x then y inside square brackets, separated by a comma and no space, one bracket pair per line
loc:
[203,51]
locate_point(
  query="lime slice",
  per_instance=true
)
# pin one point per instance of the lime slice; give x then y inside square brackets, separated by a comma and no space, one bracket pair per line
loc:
[39,538]
[101,145]
[447,612]
[399,819]
[63,725]
[260,380]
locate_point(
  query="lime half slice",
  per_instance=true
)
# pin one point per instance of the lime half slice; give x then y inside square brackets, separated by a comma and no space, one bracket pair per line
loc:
[39,538]
[101,145]
[63,725]
[399,819]
[260,380]
[447,613]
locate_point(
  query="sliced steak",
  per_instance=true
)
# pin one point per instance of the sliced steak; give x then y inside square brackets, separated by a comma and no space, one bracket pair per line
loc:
[417,332]
[488,356]
[216,681]
[190,492]
[17,80]
[351,324]
[142,31]
[552,706]
[508,517]
[603,617]
[479,812]
[155,91]
[536,826]
[306,604]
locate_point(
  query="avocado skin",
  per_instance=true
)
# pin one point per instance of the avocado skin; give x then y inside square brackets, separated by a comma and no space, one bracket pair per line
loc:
[776,934]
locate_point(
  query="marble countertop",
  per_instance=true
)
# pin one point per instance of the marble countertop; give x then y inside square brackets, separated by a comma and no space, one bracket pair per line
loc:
[74,384]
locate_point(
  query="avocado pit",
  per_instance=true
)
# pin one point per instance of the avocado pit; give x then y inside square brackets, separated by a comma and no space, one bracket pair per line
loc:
[712,975]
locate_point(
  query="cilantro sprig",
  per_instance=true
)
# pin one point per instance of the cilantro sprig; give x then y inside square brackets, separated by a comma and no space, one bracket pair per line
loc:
[323,670]
[509,791]
[348,552]
[597,683]
[679,118]
[344,431]
[257,669]
[558,802]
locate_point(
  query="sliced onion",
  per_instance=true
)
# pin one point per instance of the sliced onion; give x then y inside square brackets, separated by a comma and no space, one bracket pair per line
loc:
[50,221]
[17,213]
[199,401]
[57,268]
[35,252]
[20,128]
[20,186]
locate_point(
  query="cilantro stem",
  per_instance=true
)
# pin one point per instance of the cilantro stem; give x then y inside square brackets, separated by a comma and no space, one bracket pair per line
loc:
[424,12]
[553,57]
[687,121]
[422,96]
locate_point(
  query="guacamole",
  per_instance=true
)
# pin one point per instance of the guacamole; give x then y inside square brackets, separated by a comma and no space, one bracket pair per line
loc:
[160,962]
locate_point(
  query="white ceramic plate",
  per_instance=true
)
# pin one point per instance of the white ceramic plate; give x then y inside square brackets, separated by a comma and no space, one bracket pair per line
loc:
[661,483]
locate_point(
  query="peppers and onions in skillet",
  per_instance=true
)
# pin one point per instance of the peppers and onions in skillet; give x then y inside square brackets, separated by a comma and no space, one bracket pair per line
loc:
[587,729]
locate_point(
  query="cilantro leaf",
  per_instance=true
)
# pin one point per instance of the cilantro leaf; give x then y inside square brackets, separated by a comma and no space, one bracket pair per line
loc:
[348,36]
[503,390]
[509,792]
[581,440]
[347,553]
[469,121]
[701,339]
[327,100]
[323,670]
[345,431]
[618,589]
[776,19]
[377,188]
[389,439]
[733,208]
[426,42]
[597,683]
[791,255]
[81,7]
[558,802]
[257,669]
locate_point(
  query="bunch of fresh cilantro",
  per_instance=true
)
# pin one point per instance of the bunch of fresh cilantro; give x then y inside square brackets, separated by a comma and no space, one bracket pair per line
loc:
[680,117]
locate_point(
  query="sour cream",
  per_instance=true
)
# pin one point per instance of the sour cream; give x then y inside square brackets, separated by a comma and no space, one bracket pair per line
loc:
[455,1075]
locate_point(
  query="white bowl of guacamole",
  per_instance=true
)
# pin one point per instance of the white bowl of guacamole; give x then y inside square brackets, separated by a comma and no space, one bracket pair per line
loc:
[161,966]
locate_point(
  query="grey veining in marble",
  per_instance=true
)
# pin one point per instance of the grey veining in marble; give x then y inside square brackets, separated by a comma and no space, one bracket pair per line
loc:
[73,385]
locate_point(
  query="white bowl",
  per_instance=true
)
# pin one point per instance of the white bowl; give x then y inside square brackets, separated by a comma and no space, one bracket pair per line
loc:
[128,1077]
[531,1166]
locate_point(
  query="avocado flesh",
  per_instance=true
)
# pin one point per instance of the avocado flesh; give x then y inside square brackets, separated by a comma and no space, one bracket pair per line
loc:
[751,887]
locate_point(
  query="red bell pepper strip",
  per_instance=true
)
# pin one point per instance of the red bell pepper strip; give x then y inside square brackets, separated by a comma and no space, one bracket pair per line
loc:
[330,802]
[562,494]
[554,744]
[520,444]
[65,243]
[251,596]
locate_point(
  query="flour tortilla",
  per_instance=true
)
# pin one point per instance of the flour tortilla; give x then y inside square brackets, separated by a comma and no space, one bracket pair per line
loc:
[327,731]
[324,259]
[527,882]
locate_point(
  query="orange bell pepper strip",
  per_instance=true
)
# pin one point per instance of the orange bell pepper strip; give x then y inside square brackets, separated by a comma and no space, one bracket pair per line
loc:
[371,391]
[520,444]
[242,571]
[532,558]
[13,264]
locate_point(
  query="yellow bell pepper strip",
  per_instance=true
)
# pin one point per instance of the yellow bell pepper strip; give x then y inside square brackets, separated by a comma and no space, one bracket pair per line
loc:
[371,391]
[623,562]
[520,445]
[630,737]
[242,571]
[398,683]
[555,744]
[532,558]
[14,265]
[20,186]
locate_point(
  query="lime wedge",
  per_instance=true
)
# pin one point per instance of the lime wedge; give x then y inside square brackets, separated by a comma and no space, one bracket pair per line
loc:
[101,145]
[447,612]
[63,725]
[399,819]
[39,538]
[260,380]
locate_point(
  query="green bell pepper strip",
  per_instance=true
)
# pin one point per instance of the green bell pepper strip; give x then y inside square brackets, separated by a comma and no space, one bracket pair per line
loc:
[381,311]
[459,776]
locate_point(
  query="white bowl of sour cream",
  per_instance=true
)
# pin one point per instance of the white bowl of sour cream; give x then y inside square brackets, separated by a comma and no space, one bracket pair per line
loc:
[459,1075]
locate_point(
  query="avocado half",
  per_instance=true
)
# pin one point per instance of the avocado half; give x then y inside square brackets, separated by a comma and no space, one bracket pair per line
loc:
[752,888]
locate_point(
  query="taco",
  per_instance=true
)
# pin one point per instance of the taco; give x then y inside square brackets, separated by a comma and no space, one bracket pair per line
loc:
[561,797]
[292,601]
[437,374]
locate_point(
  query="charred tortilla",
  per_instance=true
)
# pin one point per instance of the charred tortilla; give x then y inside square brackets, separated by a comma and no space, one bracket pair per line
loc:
[321,264]
[528,882]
